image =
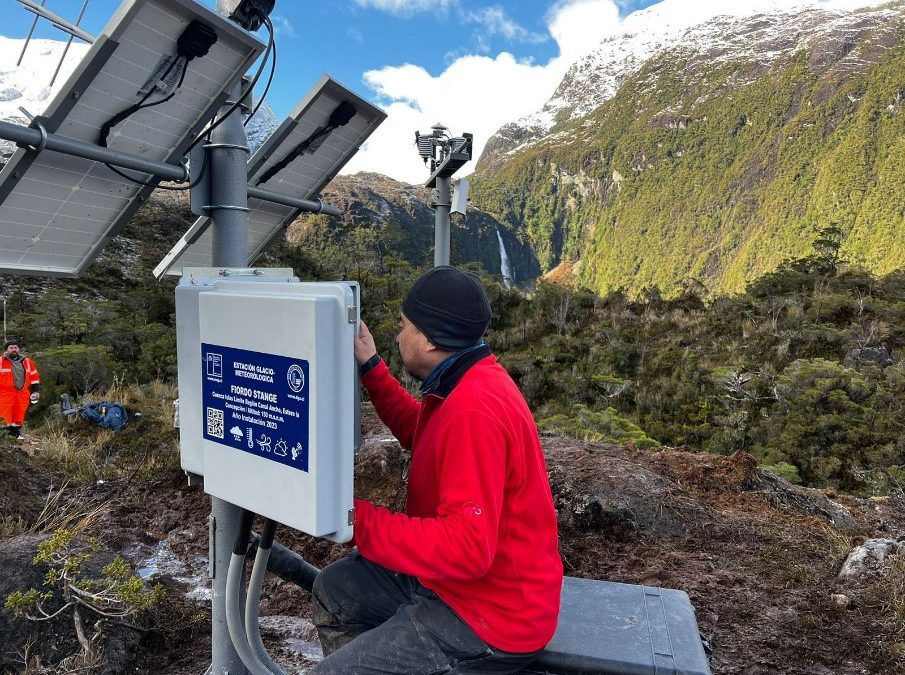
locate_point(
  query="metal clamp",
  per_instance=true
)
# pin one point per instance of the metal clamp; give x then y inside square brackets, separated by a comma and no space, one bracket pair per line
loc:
[320,205]
[43,142]
[228,146]
[224,207]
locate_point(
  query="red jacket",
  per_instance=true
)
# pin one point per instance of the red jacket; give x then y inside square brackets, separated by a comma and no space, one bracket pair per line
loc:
[480,527]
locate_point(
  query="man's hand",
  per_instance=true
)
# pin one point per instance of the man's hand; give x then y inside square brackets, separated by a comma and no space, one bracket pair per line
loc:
[364,345]
[34,397]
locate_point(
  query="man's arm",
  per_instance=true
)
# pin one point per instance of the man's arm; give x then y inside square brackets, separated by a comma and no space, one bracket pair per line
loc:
[395,406]
[459,542]
[34,379]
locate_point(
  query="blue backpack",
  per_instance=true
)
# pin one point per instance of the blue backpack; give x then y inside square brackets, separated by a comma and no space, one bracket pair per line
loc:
[107,415]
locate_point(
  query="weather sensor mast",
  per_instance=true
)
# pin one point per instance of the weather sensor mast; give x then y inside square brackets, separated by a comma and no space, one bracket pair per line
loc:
[444,155]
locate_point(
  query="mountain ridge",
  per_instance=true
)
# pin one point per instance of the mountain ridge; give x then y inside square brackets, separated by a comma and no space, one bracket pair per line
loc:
[717,167]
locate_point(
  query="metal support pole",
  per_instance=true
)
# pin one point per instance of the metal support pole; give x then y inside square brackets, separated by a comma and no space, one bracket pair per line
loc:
[229,188]
[41,140]
[229,180]
[68,44]
[4,320]
[174,172]
[441,222]
[57,20]
[28,39]
[308,205]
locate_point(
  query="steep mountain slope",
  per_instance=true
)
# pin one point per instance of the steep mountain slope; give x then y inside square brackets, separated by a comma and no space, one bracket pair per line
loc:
[382,217]
[721,156]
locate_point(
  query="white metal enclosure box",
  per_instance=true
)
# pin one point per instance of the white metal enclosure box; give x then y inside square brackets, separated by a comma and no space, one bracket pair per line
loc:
[280,400]
[194,281]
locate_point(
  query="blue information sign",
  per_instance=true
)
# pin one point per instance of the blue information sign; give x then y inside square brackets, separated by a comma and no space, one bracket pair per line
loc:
[257,403]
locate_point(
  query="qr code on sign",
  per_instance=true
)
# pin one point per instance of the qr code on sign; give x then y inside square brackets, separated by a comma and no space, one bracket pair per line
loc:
[215,422]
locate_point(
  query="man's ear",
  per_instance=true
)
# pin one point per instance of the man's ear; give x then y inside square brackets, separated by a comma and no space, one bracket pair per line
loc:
[434,350]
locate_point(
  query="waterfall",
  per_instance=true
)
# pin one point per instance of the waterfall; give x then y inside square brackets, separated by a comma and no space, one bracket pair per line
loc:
[505,265]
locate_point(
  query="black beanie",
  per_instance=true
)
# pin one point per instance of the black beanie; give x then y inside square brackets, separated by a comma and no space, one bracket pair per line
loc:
[449,306]
[11,342]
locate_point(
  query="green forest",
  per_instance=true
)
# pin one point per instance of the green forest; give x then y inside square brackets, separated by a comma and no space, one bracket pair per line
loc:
[797,370]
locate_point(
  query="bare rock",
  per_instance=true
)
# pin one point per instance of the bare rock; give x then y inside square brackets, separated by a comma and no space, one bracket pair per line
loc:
[801,500]
[867,558]
[595,491]
[869,356]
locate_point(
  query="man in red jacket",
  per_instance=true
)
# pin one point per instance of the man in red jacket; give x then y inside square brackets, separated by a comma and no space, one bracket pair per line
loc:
[20,386]
[468,579]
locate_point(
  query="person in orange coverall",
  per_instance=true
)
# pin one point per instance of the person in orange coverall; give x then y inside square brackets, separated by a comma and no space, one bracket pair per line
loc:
[20,386]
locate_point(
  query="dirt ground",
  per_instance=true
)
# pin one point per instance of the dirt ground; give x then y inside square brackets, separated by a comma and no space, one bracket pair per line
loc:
[759,558]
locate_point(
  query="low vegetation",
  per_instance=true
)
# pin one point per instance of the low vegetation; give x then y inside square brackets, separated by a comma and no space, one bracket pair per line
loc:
[799,370]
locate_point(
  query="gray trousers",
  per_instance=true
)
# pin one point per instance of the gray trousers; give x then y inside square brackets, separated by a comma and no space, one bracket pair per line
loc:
[372,621]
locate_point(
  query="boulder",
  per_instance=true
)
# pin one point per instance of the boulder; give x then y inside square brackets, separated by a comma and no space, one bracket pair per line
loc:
[868,558]
[595,491]
[869,356]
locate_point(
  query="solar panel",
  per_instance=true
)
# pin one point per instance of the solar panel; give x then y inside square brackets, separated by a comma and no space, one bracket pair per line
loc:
[298,159]
[57,211]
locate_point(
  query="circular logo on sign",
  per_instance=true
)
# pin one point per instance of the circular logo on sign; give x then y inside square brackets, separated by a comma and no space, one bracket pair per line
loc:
[296,378]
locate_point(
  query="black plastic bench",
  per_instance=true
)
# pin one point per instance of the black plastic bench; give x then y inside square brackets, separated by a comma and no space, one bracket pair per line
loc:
[604,627]
[607,627]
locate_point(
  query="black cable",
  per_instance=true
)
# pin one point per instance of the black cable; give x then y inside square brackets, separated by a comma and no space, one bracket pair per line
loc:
[243,532]
[242,98]
[195,41]
[128,112]
[341,116]
[273,67]
[105,129]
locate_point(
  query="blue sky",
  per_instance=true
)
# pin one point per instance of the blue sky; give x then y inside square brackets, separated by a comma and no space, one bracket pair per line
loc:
[472,64]
[347,38]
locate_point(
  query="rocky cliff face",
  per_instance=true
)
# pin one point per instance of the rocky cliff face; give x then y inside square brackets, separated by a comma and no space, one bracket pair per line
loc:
[718,156]
[395,219]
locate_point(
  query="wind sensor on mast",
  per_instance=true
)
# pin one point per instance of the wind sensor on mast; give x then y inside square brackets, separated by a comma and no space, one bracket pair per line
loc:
[444,155]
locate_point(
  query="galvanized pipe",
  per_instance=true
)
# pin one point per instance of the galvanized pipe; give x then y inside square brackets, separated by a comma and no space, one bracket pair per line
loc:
[69,146]
[229,180]
[305,204]
[441,222]
[33,137]
[228,162]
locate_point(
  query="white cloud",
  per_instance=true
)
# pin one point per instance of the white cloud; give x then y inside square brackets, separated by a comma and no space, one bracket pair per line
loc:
[475,94]
[579,25]
[494,21]
[406,7]
[479,94]
[282,26]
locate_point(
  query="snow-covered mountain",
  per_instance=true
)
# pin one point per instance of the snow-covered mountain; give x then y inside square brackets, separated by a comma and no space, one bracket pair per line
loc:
[261,125]
[761,38]
[28,85]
